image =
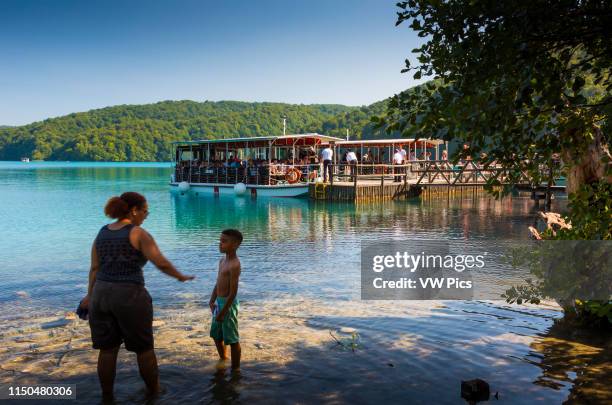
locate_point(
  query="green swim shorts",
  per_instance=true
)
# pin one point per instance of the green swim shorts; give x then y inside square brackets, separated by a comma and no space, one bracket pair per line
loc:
[227,330]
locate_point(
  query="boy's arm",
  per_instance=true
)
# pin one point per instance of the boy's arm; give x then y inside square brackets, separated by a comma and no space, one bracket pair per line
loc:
[213,298]
[234,278]
[213,295]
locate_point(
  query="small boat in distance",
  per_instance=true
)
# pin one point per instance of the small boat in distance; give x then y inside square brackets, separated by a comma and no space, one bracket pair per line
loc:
[25,159]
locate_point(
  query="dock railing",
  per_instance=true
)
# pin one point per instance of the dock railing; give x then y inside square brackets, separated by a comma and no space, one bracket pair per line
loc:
[431,172]
[355,172]
[466,172]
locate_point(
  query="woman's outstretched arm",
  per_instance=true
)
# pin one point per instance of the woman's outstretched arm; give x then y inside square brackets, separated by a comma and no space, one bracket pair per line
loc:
[151,251]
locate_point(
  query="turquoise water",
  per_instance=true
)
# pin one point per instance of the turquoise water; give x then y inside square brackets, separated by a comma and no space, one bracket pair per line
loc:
[295,251]
[51,213]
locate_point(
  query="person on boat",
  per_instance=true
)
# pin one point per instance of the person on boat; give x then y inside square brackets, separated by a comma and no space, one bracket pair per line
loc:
[312,156]
[120,307]
[444,154]
[366,157]
[326,156]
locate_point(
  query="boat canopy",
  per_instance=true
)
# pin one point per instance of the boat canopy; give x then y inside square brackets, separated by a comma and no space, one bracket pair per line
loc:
[379,143]
[313,139]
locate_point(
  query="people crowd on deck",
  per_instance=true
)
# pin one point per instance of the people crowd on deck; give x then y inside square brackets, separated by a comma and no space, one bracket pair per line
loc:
[308,162]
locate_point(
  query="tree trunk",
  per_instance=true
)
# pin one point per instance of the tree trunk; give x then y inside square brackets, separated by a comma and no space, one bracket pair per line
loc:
[590,166]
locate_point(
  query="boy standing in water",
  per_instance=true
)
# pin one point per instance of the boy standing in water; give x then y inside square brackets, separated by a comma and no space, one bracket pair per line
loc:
[223,302]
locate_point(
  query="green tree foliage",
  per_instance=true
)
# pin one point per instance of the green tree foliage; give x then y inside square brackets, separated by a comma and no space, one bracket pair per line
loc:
[145,132]
[519,82]
[513,82]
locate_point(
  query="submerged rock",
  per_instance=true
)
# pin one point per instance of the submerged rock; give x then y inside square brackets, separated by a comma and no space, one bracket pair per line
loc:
[22,294]
[58,323]
[474,391]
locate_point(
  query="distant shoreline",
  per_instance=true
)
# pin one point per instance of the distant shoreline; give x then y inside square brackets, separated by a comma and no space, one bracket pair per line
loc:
[85,161]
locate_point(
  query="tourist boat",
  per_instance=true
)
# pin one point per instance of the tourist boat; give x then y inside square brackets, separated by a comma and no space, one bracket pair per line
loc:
[274,166]
[25,159]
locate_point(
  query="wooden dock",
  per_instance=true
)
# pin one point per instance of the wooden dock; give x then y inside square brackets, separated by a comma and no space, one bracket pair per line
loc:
[362,191]
[432,180]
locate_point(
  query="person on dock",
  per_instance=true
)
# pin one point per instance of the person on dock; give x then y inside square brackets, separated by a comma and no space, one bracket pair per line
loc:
[224,303]
[403,152]
[398,159]
[326,156]
[351,159]
[120,307]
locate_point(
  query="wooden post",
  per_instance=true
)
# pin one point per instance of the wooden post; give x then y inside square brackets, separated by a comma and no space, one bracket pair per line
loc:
[355,184]
[331,180]
[269,162]
[190,160]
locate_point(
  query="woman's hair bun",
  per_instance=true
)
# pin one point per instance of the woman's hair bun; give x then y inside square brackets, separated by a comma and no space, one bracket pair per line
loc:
[119,207]
[116,208]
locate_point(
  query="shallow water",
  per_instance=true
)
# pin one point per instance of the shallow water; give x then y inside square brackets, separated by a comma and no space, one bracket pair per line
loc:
[300,285]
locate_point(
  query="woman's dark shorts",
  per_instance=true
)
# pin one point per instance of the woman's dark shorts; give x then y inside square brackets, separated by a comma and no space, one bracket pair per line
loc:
[121,312]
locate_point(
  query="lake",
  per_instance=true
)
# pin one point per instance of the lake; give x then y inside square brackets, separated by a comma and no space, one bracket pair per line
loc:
[299,292]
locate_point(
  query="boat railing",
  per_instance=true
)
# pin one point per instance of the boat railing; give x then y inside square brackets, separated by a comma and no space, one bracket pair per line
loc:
[275,174]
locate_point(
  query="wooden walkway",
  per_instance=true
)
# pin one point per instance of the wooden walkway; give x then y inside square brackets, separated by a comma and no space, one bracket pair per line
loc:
[427,179]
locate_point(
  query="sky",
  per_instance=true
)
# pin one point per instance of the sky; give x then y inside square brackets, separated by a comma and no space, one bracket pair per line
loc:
[64,56]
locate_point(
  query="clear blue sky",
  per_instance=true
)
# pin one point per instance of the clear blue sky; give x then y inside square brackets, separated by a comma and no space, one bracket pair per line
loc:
[58,57]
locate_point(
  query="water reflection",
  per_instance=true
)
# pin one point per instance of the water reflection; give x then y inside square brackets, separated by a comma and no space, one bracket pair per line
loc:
[575,357]
[224,389]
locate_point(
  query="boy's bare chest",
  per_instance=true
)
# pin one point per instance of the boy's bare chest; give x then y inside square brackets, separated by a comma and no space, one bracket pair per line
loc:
[224,273]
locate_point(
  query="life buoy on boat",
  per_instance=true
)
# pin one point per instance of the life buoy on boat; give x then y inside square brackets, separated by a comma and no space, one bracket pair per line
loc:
[293,175]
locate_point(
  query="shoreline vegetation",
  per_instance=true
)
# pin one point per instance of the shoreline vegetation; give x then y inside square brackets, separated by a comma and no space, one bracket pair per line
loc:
[145,132]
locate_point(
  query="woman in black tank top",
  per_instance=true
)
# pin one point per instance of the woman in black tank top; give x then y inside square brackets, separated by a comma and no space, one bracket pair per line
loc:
[120,307]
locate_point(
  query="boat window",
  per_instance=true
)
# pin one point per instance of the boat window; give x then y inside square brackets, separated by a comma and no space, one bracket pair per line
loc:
[186,155]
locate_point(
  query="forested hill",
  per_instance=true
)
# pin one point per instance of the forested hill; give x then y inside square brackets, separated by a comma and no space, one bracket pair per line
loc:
[145,132]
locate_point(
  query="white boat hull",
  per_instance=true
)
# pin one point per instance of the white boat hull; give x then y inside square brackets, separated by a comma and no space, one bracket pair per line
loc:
[285,190]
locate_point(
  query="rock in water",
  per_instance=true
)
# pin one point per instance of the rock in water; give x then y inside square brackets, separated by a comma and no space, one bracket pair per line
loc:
[474,391]
[22,294]
[58,323]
